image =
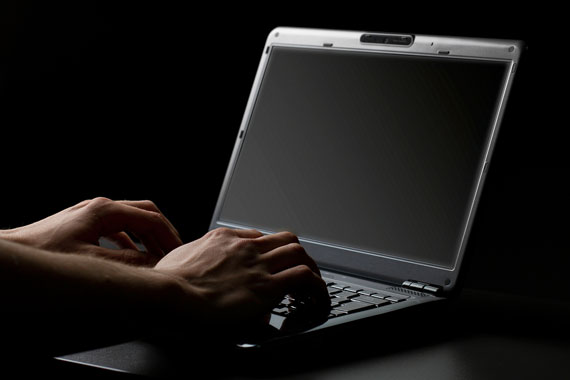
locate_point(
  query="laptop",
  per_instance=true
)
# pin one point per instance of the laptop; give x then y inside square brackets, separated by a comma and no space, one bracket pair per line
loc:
[372,148]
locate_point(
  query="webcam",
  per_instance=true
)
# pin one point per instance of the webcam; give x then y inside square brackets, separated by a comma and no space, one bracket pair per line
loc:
[387,39]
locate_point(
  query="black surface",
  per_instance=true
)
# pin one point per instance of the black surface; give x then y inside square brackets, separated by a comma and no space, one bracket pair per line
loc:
[136,101]
[144,102]
[481,336]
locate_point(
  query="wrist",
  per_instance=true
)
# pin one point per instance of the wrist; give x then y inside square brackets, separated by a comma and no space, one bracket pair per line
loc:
[12,235]
[179,298]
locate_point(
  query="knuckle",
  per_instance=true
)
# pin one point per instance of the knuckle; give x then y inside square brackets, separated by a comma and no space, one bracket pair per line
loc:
[297,249]
[245,245]
[219,232]
[156,217]
[259,277]
[99,202]
[303,271]
[291,236]
[102,200]
[222,231]
[149,204]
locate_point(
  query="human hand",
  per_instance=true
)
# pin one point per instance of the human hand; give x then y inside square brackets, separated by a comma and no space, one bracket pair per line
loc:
[79,228]
[241,275]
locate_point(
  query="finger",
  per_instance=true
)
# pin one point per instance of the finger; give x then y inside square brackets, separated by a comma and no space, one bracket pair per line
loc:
[302,283]
[127,256]
[144,205]
[149,226]
[248,234]
[269,242]
[151,206]
[122,240]
[152,246]
[129,252]
[288,256]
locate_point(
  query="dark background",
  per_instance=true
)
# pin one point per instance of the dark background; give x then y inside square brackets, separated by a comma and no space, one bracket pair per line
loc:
[144,100]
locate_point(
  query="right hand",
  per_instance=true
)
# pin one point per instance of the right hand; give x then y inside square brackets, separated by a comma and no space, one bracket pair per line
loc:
[241,275]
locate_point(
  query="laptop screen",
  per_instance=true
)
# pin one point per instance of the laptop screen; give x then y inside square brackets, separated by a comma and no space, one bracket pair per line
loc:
[373,152]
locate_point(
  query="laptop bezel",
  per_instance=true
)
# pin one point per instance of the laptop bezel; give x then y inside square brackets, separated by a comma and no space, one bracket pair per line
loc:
[358,263]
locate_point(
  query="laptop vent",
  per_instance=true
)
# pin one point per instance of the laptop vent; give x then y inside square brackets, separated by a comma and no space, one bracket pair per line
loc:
[407,291]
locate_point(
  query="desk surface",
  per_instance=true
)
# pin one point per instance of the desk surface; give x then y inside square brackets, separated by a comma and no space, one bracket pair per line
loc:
[482,336]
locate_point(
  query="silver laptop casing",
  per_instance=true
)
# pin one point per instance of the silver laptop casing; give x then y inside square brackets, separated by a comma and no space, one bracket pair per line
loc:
[358,263]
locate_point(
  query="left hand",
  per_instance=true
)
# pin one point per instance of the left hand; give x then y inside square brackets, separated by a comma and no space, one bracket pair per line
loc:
[78,229]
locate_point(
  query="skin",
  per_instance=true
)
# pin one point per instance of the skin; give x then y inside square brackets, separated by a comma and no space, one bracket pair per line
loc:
[244,274]
[78,229]
[228,278]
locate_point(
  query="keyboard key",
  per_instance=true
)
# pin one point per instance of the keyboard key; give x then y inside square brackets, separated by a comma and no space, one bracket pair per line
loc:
[334,291]
[380,294]
[352,290]
[432,289]
[394,299]
[281,311]
[336,313]
[338,286]
[286,301]
[351,307]
[339,300]
[345,294]
[372,300]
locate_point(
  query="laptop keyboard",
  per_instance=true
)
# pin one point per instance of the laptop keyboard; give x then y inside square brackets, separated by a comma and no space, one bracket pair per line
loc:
[345,299]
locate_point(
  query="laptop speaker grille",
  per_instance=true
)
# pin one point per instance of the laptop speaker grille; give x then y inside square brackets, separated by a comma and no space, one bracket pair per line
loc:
[407,291]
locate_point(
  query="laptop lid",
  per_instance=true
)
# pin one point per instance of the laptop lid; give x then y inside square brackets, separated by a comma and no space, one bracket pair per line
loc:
[371,147]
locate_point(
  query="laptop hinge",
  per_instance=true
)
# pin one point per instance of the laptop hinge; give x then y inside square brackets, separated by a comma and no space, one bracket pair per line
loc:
[421,286]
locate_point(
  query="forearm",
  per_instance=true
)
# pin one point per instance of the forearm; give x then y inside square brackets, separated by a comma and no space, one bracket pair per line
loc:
[61,296]
[18,235]
[9,234]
